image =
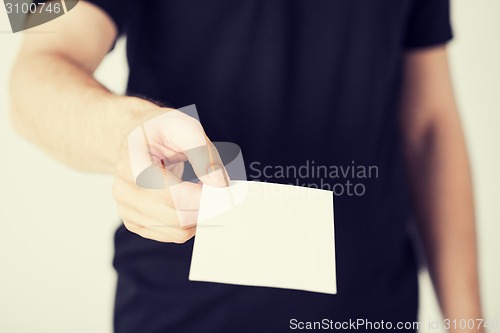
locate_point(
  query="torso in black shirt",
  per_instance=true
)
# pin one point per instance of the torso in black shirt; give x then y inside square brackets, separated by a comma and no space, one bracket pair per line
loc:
[293,82]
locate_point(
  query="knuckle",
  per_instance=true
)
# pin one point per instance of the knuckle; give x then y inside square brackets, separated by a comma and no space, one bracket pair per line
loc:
[130,226]
[193,124]
[193,128]
[182,236]
[164,238]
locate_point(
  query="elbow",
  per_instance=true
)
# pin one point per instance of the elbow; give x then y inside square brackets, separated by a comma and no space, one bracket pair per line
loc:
[416,134]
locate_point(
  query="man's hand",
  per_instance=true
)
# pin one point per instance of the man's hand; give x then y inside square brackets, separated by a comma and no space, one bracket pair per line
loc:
[157,149]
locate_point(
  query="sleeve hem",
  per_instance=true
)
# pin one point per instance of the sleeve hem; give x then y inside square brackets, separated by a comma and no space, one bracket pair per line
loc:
[428,43]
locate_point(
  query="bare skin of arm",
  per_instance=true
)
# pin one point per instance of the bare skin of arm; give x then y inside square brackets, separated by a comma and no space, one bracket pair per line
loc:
[58,105]
[438,167]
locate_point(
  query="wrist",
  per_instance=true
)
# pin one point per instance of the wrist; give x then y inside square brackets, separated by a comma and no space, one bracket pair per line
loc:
[134,112]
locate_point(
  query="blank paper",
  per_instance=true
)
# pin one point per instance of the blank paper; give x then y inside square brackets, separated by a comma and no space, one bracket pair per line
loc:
[264,234]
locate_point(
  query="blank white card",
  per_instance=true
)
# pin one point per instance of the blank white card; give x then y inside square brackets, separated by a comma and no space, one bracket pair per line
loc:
[264,234]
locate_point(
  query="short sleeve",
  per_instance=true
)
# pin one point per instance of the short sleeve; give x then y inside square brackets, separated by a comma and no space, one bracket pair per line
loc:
[116,10]
[428,24]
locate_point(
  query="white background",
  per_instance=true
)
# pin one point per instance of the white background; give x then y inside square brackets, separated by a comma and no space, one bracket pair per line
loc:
[56,225]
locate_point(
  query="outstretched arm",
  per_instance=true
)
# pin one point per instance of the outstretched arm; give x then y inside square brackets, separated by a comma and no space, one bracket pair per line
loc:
[59,106]
[55,101]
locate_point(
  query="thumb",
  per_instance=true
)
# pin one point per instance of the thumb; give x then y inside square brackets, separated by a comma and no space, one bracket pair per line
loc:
[207,164]
[185,135]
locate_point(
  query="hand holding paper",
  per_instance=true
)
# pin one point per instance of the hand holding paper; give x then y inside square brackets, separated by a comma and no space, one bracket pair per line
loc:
[248,233]
[152,199]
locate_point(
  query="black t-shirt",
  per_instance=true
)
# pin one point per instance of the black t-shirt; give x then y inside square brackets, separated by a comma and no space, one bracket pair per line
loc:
[309,85]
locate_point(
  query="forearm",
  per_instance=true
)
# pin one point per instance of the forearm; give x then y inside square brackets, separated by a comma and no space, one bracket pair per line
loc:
[439,168]
[59,106]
